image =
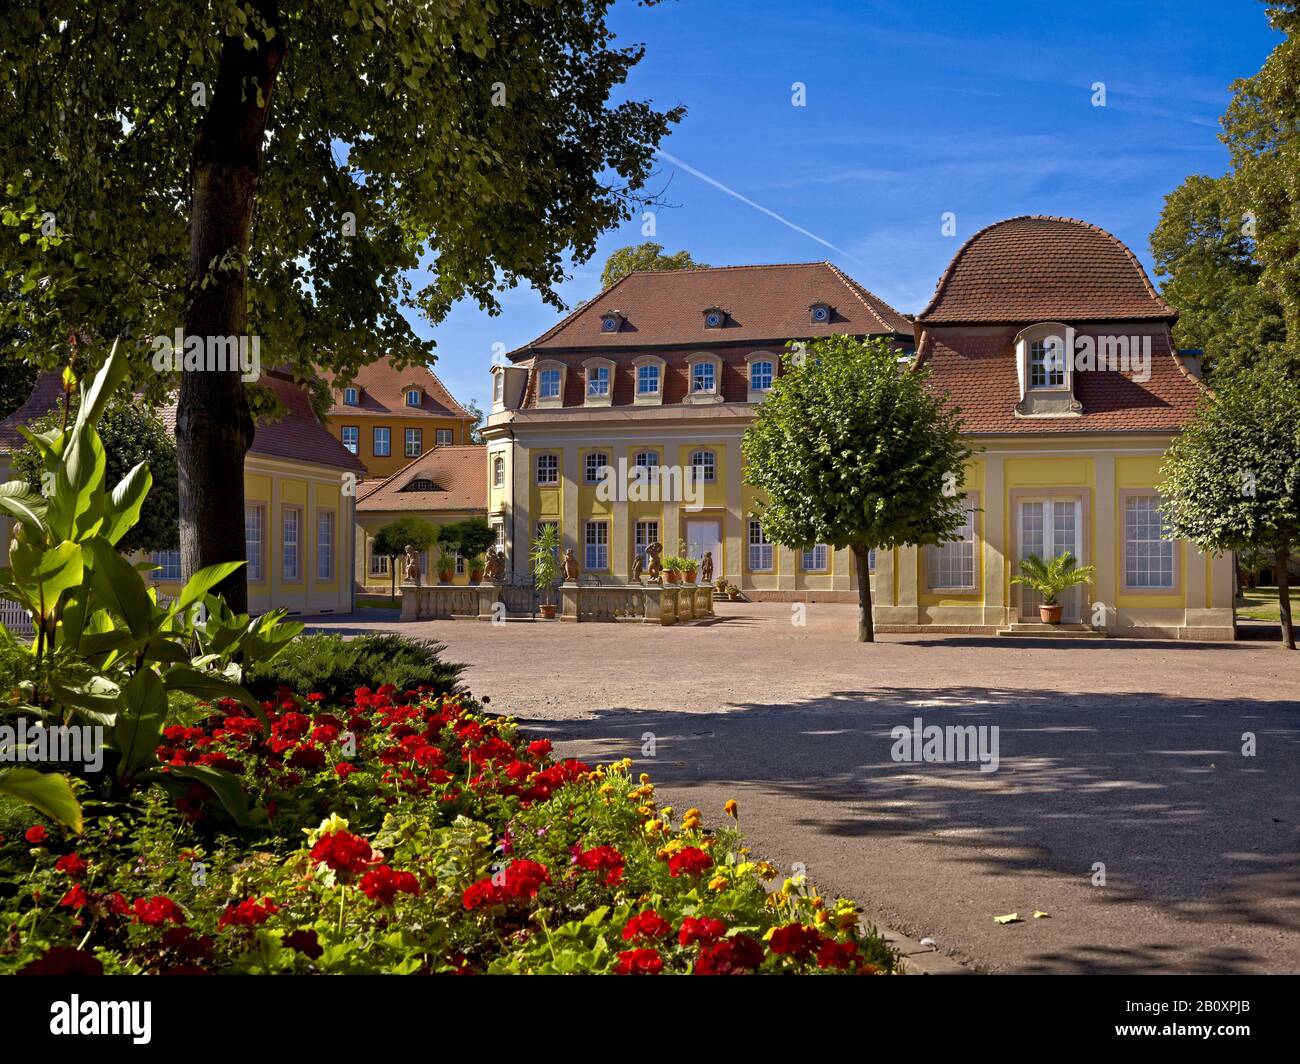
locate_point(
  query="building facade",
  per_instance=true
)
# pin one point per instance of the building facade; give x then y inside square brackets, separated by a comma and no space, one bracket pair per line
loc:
[389,417]
[1045,332]
[657,379]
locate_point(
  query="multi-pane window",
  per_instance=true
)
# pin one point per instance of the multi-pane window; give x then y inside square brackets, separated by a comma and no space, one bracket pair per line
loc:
[703,377]
[760,548]
[169,564]
[647,380]
[598,382]
[548,469]
[705,464]
[498,471]
[760,376]
[414,442]
[645,533]
[595,463]
[1148,544]
[952,563]
[378,563]
[351,436]
[412,396]
[443,437]
[871,560]
[815,560]
[1047,363]
[292,530]
[596,539]
[646,460]
[548,384]
[498,387]
[253,541]
[382,443]
[325,545]
[350,397]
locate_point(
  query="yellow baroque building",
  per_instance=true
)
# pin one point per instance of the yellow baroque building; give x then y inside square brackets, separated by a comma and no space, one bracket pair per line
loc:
[1045,332]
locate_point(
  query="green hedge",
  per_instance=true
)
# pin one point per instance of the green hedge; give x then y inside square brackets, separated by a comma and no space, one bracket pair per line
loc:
[336,667]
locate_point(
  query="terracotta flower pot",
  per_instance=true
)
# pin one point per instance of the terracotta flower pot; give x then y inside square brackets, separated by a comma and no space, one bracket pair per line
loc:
[548,612]
[1050,614]
[690,576]
[674,576]
[444,578]
[475,576]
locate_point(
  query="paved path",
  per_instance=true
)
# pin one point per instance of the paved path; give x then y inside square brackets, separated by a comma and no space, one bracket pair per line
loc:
[1126,754]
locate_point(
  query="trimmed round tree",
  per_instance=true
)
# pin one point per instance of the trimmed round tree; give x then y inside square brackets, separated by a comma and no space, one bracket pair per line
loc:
[852,449]
[1232,477]
[393,538]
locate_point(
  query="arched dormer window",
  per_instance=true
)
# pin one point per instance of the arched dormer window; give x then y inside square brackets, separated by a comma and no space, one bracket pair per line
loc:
[598,389]
[704,378]
[1045,371]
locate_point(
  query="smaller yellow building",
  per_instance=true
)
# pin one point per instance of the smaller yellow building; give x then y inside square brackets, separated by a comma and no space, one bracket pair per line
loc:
[388,417]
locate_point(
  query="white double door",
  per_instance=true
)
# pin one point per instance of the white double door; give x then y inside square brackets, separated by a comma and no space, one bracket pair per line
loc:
[1050,527]
[704,536]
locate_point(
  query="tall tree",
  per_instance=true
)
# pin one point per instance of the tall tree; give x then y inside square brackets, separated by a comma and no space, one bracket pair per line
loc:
[1204,246]
[1232,476]
[852,451]
[280,169]
[640,257]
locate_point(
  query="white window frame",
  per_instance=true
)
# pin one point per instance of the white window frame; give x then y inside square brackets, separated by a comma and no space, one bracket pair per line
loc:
[595,540]
[546,371]
[351,396]
[761,554]
[711,466]
[169,565]
[643,534]
[416,437]
[254,549]
[378,562]
[354,432]
[649,398]
[592,464]
[387,437]
[325,526]
[948,563]
[444,437]
[553,465]
[817,559]
[413,394]
[288,574]
[1145,557]
[499,471]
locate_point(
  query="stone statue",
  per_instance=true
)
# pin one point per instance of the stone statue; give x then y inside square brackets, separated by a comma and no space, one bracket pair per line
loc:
[637,565]
[653,552]
[412,566]
[706,568]
[493,566]
[570,567]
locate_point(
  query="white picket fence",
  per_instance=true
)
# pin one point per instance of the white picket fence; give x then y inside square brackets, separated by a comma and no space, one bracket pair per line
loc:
[15,618]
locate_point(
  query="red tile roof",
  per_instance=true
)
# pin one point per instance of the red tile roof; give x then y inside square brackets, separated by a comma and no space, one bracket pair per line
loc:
[298,436]
[383,392]
[459,476]
[977,372]
[769,304]
[1031,269]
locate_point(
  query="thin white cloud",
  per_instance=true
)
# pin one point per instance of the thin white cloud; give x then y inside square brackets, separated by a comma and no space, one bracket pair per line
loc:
[749,202]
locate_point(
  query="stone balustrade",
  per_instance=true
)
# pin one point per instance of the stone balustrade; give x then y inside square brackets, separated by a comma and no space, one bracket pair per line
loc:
[661,604]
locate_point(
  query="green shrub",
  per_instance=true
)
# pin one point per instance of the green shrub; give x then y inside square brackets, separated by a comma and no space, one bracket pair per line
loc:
[335,667]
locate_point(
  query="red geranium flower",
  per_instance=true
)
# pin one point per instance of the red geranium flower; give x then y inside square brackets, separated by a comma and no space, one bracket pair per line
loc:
[646,926]
[75,898]
[36,834]
[834,954]
[345,768]
[71,864]
[157,910]
[248,913]
[539,747]
[795,940]
[382,884]
[701,929]
[639,962]
[305,942]
[342,851]
[603,859]
[732,956]
[520,880]
[689,860]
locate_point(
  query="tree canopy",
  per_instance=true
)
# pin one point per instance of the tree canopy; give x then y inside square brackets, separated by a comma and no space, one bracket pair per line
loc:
[308,174]
[640,257]
[1232,476]
[853,450]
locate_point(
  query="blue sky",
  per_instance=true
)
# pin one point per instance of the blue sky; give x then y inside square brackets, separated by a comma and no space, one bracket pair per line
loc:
[913,108]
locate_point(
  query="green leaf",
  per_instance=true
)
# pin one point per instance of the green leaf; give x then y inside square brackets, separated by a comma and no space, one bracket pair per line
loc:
[201,583]
[228,789]
[95,396]
[119,587]
[49,792]
[23,504]
[209,686]
[141,718]
[125,502]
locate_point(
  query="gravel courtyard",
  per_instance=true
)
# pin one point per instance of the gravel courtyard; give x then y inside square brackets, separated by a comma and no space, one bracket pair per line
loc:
[1115,753]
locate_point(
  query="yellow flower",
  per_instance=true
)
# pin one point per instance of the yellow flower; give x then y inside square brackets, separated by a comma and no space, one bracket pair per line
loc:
[822,918]
[766,869]
[731,808]
[718,883]
[818,902]
[646,810]
[645,777]
[328,826]
[666,812]
[607,788]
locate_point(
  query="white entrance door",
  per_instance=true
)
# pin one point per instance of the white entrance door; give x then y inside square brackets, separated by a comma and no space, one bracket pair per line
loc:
[704,536]
[1049,528]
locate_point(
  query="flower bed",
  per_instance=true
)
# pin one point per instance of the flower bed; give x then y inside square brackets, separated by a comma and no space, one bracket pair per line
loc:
[404,834]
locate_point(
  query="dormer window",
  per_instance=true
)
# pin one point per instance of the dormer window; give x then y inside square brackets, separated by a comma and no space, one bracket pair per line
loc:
[648,373]
[1047,363]
[350,397]
[819,313]
[704,378]
[704,372]
[598,382]
[548,384]
[1045,371]
[420,484]
[611,322]
[714,317]
[412,396]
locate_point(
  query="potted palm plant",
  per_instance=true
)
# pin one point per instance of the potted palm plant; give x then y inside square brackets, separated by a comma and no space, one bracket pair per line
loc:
[544,556]
[1050,579]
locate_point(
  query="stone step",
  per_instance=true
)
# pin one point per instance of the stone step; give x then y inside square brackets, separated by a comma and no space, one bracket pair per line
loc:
[1053,631]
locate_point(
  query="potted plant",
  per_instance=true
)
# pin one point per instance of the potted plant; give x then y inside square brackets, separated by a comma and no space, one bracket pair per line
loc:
[673,569]
[733,592]
[544,556]
[720,585]
[476,569]
[446,566]
[691,567]
[1050,579]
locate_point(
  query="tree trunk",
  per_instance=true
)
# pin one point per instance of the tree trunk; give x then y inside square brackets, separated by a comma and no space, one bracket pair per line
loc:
[866,625]
[213,425]
[1284,597]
